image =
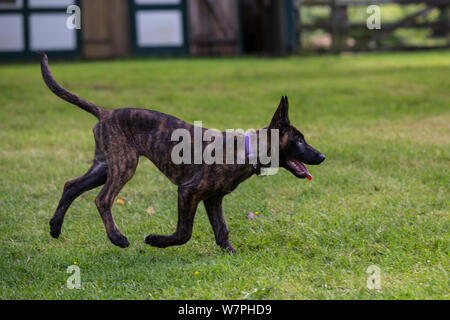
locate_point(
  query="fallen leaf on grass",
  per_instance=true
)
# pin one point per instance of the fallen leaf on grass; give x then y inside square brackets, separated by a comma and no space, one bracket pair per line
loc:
[150,210]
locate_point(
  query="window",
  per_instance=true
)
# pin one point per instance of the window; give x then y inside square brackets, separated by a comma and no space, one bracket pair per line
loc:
[27,26]
[159,26]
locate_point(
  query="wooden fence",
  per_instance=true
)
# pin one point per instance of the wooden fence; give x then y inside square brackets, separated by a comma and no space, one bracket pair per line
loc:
[339,27]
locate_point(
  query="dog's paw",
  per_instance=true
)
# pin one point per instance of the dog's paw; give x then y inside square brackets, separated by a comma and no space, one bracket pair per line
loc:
[119,240]
[55,228]
[228,248]
[153,240]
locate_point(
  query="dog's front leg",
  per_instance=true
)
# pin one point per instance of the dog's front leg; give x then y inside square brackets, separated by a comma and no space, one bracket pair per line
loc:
[215,214]
[187,206]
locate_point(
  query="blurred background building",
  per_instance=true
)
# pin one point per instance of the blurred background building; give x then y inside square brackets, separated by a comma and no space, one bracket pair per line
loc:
[120,28]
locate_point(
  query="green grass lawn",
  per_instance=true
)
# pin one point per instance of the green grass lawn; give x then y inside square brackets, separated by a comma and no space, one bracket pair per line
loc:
[380,198]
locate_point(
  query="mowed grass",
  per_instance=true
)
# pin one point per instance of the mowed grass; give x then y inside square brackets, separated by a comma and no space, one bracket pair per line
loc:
[380,198]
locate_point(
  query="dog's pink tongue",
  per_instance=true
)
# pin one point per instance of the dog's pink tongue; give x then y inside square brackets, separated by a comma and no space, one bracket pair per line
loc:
[300,167]
[308,175]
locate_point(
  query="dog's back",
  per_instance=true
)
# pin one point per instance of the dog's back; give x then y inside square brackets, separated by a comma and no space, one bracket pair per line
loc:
[149,133]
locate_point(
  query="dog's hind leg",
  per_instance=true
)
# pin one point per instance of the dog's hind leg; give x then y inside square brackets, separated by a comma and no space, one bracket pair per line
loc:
[214,209]
[121,168]
[187,206]
[94,177]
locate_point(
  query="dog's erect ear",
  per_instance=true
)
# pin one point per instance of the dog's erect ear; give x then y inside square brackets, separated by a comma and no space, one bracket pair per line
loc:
[280,119]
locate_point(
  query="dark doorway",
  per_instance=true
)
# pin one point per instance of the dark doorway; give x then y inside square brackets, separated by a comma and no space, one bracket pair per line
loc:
[267,26]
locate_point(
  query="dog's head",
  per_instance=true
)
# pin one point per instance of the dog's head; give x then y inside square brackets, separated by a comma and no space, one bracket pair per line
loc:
[293,148]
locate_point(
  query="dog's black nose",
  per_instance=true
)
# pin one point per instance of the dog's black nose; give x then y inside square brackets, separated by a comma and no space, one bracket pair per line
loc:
[321,157]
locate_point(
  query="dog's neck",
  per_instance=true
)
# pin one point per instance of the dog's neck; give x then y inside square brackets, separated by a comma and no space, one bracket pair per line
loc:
[251,151]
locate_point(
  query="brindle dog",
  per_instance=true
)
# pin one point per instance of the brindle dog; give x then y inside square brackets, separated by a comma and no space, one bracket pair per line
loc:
[123,135]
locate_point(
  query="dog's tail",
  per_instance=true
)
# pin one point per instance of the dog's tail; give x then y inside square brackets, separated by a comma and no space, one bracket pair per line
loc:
[63,93]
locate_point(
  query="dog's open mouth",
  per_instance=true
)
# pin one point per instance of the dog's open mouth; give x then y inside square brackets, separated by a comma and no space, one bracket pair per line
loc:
[299,169]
